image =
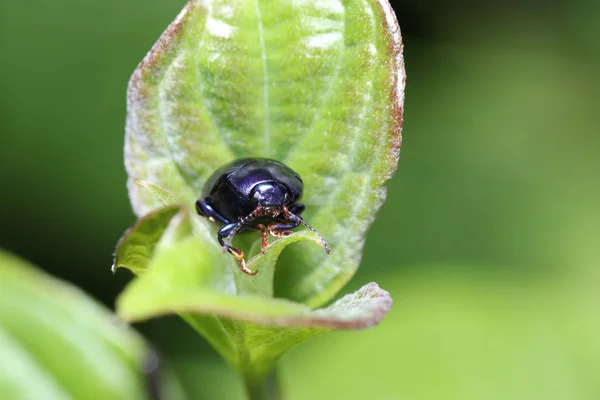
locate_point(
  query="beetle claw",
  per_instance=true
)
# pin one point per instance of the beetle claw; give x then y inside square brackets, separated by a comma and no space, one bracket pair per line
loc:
[239,255]
[281,233]
[245,269]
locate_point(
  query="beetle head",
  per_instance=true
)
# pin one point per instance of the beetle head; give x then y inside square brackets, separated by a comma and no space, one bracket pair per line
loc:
[270,194]
[272,199]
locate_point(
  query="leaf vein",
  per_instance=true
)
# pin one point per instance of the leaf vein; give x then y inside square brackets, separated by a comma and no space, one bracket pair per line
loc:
[263,56]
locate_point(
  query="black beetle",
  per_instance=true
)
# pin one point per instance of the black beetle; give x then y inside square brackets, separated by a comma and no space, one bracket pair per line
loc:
[253,194]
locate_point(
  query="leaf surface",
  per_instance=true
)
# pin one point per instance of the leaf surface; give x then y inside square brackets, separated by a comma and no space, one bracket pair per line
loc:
[318,85]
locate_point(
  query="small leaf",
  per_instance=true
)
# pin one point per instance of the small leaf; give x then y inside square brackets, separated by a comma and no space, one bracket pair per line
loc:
[318,85]
[137,244]
[56,343]
[249,330]
[136,248]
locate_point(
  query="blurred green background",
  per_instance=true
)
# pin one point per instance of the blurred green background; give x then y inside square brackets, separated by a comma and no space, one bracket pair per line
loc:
[489,241]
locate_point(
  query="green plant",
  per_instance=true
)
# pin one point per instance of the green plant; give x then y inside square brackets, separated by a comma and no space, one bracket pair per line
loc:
[317,85]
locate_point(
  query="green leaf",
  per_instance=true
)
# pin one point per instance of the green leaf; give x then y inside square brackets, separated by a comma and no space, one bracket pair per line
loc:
[56,343]
[250,330]
[137,244]
[318,85]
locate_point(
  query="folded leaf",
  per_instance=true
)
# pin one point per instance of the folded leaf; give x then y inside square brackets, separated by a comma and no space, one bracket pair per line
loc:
[137,244]
[250,330]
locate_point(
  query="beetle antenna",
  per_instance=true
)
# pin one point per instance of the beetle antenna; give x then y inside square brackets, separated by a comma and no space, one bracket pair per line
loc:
[297,218]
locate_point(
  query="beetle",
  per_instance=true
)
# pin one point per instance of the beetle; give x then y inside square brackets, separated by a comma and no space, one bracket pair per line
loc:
[257,194]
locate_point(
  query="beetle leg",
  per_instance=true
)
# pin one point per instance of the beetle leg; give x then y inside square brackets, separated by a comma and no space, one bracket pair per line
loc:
[297,208]
[224,232]
[239,255]
[282,229]
[264,236]
[207,211]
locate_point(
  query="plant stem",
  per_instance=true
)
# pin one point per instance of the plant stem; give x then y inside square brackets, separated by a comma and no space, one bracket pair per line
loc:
[263,388]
